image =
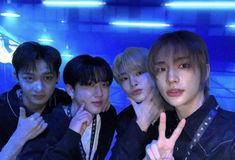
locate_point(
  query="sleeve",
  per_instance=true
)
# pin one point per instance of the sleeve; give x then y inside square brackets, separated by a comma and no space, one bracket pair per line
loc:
[42,148]
[130,142]
[69,147]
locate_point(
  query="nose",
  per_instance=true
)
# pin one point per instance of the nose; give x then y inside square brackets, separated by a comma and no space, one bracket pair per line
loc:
[133,81]
[172,76]
[98,91]
[38,86]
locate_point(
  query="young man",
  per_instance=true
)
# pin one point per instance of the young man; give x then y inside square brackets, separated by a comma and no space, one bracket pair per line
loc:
[80,130]
[179,63]
[137,124]
[37,72]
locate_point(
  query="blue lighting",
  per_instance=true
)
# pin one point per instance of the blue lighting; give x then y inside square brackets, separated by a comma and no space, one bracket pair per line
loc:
[8,14]
[140,24]
[201,5]
[45,40]
[73,3]
[230,26]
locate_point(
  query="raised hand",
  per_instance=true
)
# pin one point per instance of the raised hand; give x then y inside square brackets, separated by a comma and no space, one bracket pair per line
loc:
[147,111]
[29,127]
[81,120]
[163,147]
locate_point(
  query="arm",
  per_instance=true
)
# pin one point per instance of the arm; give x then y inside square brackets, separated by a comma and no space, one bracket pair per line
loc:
[60,142]
[27,128]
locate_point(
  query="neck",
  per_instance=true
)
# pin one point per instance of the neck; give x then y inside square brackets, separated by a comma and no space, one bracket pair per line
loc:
[190,107]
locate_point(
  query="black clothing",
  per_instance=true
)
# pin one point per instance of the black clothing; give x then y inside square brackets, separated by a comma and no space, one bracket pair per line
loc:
[131,140]
[59,142]
[9,110]
[218,141]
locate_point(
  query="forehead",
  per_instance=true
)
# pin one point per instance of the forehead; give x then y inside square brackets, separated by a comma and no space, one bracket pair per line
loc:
[171,52]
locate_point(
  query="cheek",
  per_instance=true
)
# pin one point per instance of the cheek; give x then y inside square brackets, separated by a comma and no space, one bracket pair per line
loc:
[50,87]
[125,87]
[106,93]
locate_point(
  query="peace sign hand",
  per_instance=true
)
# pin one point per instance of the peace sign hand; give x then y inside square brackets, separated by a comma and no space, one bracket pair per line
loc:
[162,149]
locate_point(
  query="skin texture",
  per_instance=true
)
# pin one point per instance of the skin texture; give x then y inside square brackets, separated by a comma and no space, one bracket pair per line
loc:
[144,98]
[87,101]
[37,86]
[179,83]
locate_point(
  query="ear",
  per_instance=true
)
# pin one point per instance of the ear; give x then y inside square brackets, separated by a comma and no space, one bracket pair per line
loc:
[70,90]
[208,70]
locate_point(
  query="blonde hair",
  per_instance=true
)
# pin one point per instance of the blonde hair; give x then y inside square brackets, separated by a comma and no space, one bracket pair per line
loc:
[133,58]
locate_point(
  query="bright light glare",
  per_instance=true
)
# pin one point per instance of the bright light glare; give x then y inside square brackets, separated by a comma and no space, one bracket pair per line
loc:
[201,5]
[139,24]
[74,3]
[230,26]
[45,40]
[6,14]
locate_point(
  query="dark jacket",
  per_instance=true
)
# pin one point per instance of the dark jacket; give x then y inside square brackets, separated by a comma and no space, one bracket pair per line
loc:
[131,140]
[9,110]
[218,141]
[58,142]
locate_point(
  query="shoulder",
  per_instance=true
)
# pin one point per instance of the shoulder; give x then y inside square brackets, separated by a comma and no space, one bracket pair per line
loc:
[62,96]
[226,116]
[126,114]
[110,114]
[9,103]
[57,118]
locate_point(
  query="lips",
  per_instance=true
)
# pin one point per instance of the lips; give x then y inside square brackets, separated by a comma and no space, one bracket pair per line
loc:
[97,103]
[174,92]
[39,97]
[136,92]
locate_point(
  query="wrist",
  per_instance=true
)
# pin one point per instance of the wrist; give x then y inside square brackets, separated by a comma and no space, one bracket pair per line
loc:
[18,139]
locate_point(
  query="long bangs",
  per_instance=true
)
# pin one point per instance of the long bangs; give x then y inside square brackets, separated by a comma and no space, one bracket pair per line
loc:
[30,65]
[131,63]
[95,74]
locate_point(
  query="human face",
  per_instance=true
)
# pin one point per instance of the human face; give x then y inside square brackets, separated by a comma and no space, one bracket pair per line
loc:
[94,96]
[136,84]
[178,82]
[37,85]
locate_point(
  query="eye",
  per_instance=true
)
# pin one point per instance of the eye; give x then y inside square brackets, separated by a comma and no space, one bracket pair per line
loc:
[122,79]
[28,78]
[105,84]
[91,84]
[184,65]
[160,69]
[48,77]
[139,73]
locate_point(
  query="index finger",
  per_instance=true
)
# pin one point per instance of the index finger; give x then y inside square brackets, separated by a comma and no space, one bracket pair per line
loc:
[178,130]
[162,126]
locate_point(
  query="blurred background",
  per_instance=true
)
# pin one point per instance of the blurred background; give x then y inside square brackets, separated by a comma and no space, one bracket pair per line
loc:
[105,28]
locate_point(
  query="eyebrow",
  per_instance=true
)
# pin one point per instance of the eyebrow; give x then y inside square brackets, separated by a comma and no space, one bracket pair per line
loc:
[31,73]
[175,60]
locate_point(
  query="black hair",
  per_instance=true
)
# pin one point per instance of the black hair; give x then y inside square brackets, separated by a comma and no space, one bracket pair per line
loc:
[27,53]
[85,69]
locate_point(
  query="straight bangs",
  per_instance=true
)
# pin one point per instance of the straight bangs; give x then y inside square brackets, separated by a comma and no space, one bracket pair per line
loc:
[95,74]
[30,65]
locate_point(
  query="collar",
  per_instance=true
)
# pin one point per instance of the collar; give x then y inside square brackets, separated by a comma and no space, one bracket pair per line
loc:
[195,119]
